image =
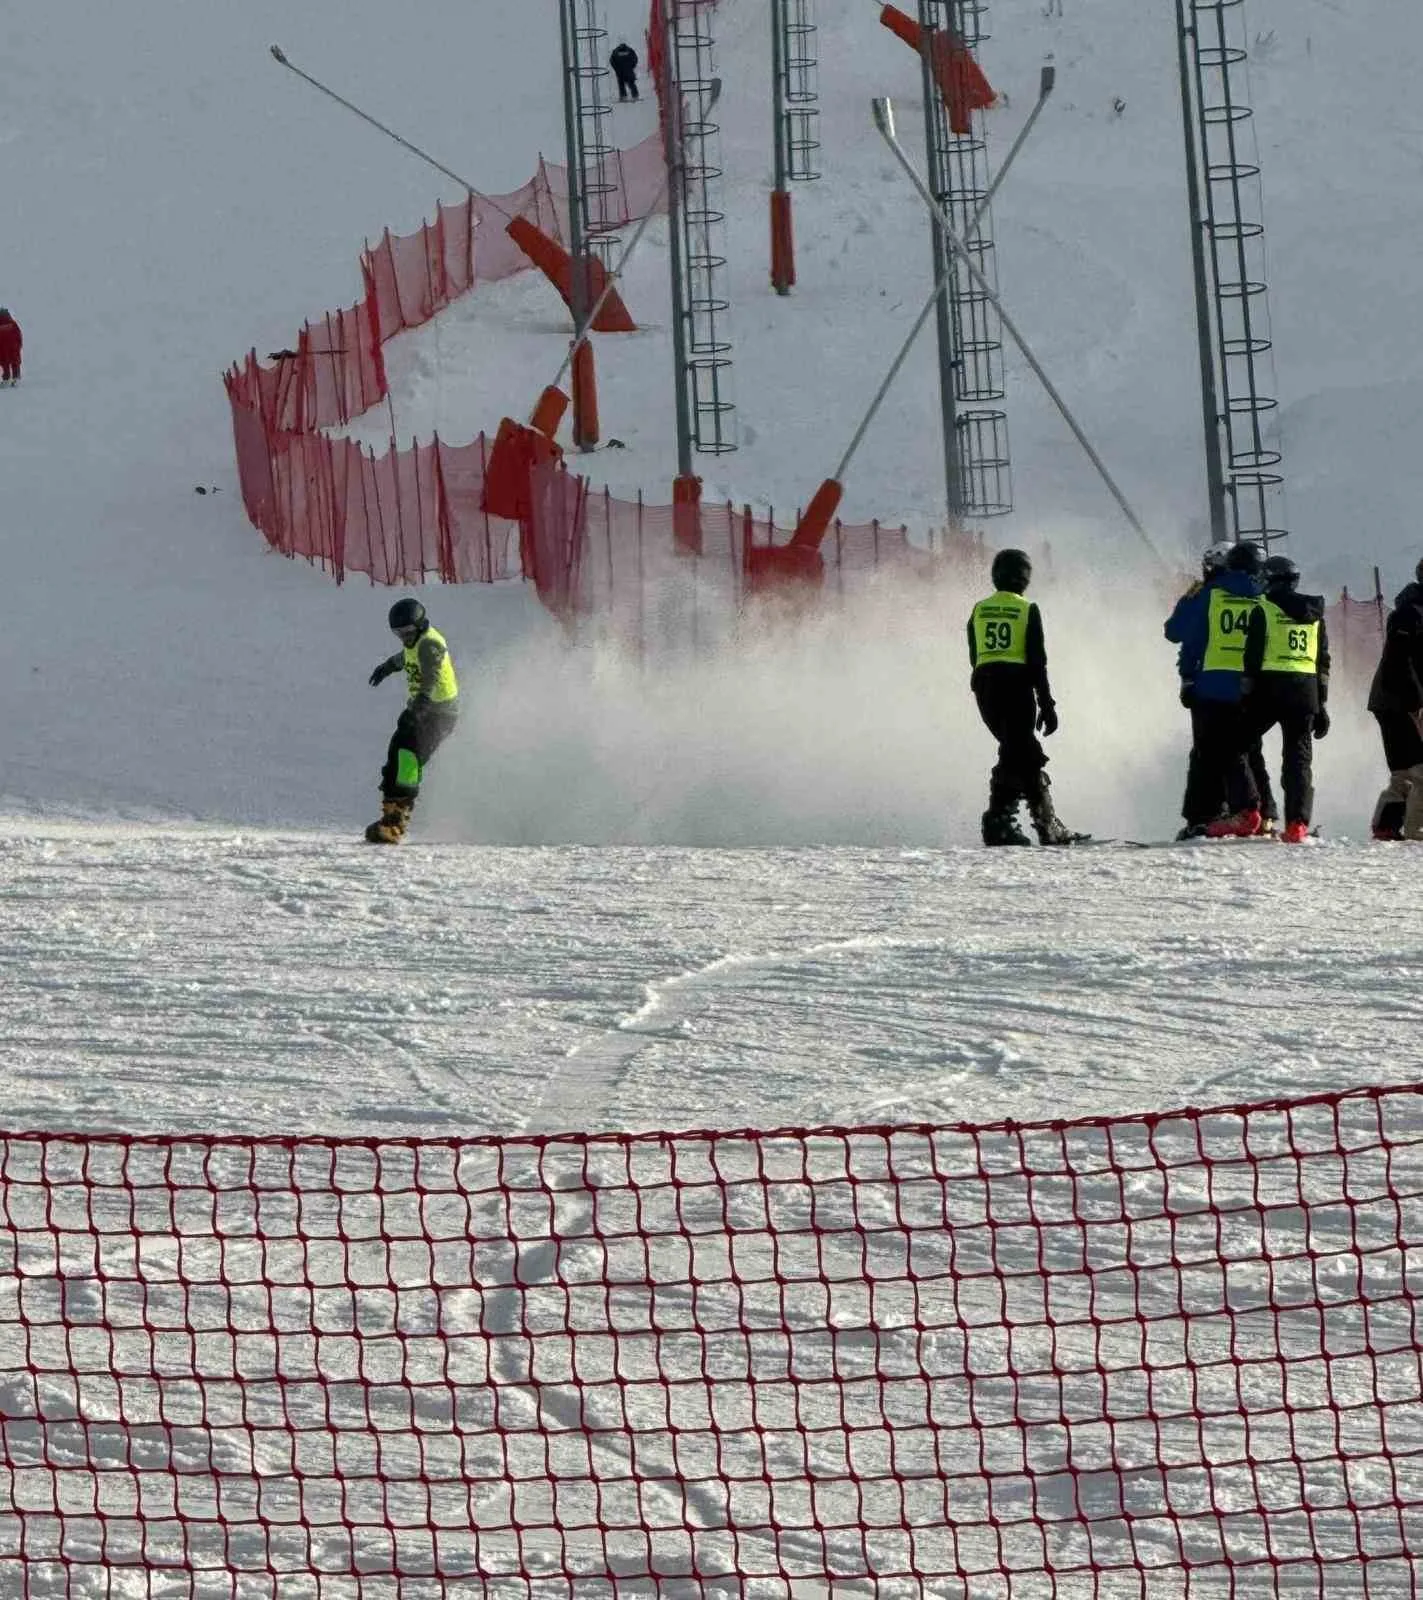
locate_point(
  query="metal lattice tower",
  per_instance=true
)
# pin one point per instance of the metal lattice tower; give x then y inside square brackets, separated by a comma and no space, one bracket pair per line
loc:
[1228,235]
[595,201]
[977,466]
[701,335]
[797,91]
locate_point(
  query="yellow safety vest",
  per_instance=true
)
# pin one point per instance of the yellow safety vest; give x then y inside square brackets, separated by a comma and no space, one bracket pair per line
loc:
[1290,645]
[1228,621]
[1000,629]
[446,684]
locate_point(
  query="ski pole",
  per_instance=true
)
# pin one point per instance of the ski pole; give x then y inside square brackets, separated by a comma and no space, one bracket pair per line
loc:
[279,55]
[884,120]
[811,527]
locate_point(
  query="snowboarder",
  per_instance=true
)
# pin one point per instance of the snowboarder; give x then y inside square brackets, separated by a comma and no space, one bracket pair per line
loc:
[428,719]
[11,344]
[1008,655]
[1396,700]
[1286,684]
[623,61]
[1210,627]
[1204,803]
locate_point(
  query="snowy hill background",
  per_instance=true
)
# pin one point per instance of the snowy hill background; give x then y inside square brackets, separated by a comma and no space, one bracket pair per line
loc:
[170,197]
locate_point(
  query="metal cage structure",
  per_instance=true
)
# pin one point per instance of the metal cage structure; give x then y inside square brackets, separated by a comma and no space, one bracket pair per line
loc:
[596,205]
[1241,418]
[697,221]
[978,469]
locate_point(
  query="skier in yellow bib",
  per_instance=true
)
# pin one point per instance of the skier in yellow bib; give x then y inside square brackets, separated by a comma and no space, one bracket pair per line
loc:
[1286,683]
[428,719]
[1010,683]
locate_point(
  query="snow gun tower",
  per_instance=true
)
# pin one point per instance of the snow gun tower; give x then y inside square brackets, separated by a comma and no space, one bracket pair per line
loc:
[689,89]
[795,119]
[976,464]
[1228,257]
[594,197]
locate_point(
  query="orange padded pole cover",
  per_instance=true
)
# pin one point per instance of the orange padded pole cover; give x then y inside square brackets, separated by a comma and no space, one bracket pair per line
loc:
[782,242]
[549,256]
[548,413]
[687,515]
[585,397]
[812,526]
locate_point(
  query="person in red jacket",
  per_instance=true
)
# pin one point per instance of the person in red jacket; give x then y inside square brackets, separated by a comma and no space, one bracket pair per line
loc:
[11,343]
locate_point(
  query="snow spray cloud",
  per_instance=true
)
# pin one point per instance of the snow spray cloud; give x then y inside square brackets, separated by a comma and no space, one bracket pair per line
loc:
[853,726]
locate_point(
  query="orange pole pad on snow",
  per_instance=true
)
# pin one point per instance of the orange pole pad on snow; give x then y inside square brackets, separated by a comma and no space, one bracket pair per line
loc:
[549,256]
[687,515]
[959,76]
[815,523]
[585,397]
[549,412]
[508,471]
[782,242]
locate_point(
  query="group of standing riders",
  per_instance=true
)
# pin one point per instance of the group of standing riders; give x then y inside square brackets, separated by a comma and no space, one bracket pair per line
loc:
[1253,655]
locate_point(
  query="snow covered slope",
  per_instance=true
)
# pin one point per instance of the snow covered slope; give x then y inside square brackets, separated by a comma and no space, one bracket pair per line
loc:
[170,197]
[221,980]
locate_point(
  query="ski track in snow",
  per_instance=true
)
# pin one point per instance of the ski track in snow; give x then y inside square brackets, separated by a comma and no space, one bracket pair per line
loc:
[200,979]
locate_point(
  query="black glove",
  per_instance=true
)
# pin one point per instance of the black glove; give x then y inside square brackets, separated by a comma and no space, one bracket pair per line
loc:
[1321,723]
[1188,695]
[1047,719]
[1247,688]
[381,673]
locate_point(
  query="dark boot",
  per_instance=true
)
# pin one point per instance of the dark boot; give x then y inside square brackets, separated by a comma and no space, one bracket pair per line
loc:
[1000,822]
[394,820]
[1045,820]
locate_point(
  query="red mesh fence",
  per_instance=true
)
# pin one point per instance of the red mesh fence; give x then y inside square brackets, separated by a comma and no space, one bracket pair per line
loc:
[1175,1355]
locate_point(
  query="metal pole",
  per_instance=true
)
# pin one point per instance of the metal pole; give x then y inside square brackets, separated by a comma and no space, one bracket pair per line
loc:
[884,121]
[1210,402]
[577,211]
[1045,85]
[672,104]
[943,264]
[778,76]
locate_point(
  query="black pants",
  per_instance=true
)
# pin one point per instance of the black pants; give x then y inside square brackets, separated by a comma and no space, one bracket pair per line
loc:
[1204,800]
[1296,725]
[419,733]
[1010,712]
[1223,741]
[627,83]
[1402,740]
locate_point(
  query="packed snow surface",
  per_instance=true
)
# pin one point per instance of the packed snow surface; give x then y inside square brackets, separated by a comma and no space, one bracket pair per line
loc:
[202,979]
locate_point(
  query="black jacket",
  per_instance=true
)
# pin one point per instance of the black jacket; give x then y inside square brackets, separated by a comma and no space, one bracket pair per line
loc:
[1398,683]
[1299,608]
[623,61]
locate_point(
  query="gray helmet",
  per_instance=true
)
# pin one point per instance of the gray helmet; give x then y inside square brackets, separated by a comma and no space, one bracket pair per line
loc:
[1214,559]
[1281,573]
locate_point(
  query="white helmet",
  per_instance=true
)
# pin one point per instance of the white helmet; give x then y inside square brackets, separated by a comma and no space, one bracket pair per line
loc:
[1214,559]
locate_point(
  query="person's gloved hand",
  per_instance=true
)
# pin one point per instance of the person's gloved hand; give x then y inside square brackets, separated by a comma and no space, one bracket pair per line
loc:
[1321,723]
[381,673]
[1047,719]
[420,702]
[1247,688]
[1188,695]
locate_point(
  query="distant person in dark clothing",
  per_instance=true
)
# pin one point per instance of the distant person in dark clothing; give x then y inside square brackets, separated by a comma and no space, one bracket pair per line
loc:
[1396,700]
[623,61]
[1286,684]
[11,343]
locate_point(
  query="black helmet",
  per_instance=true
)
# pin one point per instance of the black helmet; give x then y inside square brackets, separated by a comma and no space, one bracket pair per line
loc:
[1245,557]
[1012,571]
[408,616]
[1281,573]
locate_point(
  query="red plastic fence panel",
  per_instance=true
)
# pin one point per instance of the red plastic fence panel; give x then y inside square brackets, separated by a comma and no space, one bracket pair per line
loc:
[1166,1356]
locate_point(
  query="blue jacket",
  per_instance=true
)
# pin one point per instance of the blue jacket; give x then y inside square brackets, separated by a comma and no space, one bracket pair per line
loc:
[1188,625]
